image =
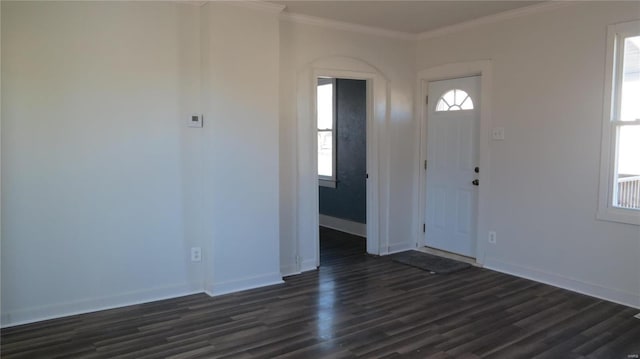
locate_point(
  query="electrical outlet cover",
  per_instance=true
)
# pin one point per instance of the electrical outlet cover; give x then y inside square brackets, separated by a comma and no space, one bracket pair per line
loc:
[196,254]
[492,237]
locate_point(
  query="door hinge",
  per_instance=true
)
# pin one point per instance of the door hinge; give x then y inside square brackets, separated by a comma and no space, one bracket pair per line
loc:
[425,164]
[426,100]
[424,228]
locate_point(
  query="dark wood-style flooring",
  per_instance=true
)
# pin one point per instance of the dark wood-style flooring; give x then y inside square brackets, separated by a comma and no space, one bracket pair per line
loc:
[354,306]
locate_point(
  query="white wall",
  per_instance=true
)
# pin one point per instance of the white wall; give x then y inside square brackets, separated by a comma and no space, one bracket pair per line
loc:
[105,189]
[240,147]
[93,101]
[302,44]
[548,95]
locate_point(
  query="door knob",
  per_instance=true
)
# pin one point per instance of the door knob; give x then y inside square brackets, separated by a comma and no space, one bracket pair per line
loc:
[475,182]
[476,170]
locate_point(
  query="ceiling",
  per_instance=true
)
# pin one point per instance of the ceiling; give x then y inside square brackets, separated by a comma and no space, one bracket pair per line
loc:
[406,16]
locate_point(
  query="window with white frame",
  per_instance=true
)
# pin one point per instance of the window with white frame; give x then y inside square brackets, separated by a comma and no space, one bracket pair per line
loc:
[326,114]
[454,100]
[620,171]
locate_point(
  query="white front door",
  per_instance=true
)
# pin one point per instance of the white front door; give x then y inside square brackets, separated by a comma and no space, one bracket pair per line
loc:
[453,117]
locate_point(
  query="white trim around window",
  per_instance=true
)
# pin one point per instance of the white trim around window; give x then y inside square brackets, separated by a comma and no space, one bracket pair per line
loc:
[331,183]
[611,125]
[323,180]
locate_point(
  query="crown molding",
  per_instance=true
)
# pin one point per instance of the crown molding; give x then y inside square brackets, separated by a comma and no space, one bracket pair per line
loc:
[254,5]
[188,2]
[505,15]
[377,31]
[341,25]
[249,4]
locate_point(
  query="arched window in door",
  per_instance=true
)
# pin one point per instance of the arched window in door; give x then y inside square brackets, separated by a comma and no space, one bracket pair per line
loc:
[454,100]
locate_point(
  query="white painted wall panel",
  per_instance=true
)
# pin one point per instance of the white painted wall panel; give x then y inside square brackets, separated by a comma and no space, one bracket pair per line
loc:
[548,95]
[93,97]
[240,147]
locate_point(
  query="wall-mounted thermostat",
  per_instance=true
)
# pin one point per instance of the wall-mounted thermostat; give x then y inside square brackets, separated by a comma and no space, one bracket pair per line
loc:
[195,121]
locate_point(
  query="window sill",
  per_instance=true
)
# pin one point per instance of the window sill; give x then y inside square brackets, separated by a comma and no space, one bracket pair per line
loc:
[327,183]
[620,215]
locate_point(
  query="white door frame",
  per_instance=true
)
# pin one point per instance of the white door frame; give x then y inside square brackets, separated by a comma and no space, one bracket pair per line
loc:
[307,220]
[444,72]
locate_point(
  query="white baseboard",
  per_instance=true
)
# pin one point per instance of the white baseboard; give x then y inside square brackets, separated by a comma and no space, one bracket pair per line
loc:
[288,270]
[308,264]
[574,285]
[60,310]
[400,247]
[344,225]
[243,284]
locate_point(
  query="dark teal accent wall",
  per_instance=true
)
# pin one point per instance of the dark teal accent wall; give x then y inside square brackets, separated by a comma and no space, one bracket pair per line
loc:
[349,199]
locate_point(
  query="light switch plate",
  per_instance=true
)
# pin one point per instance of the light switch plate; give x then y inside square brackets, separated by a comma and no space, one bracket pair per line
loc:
[195,121]
[497,133]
